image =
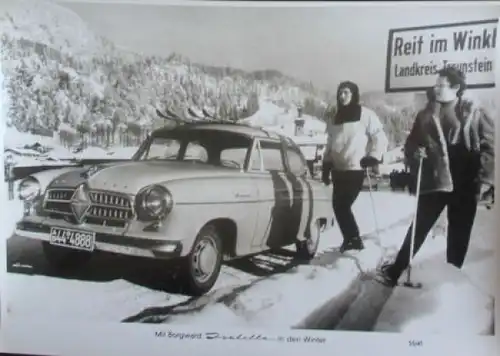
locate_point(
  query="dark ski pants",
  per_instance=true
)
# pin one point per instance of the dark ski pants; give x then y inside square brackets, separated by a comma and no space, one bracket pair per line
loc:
[462,207]
[346,188]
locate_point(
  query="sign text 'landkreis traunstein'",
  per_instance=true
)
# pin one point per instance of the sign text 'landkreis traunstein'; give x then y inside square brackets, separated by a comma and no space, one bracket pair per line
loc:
[415,55]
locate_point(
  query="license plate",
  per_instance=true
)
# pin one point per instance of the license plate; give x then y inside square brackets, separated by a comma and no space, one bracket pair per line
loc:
[80,240]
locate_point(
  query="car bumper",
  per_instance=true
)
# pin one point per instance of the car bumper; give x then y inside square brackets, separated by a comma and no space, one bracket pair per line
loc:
[113,243]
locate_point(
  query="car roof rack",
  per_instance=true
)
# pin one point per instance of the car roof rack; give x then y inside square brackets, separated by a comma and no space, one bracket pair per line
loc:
[207,119]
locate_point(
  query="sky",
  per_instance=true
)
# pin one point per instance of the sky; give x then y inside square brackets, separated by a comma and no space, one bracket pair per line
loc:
[324,45]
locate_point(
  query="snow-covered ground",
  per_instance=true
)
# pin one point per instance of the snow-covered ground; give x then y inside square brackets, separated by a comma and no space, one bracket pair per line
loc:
[15,142]
[242,297]
[452,301]
[267,298]
[269,291]
[273,300]
[268,301]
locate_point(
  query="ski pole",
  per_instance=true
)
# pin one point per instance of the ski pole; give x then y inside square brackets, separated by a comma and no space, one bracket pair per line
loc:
[408,282]
[372,203]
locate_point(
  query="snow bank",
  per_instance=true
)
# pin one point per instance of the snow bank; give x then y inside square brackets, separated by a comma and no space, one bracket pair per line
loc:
[13,138]
[433,310]
[92,152]
[16,141]
[282,121]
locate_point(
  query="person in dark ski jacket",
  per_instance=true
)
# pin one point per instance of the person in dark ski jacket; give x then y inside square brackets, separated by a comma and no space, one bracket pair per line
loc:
[455,138]
[356,141]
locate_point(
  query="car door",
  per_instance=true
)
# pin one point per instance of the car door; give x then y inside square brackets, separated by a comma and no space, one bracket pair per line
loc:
[274,194]
[302,202]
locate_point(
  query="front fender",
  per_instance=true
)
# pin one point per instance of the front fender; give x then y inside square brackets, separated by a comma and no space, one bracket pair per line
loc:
[198,201]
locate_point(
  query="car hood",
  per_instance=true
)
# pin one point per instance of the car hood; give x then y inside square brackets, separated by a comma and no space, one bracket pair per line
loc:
[130,177]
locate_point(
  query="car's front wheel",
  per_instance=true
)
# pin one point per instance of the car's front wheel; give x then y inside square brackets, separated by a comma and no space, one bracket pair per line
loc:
[65,259]
[201,268]
[306,249]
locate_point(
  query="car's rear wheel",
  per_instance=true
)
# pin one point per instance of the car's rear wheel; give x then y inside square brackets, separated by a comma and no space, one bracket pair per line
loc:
[65,259]
[306,249]
[201,268]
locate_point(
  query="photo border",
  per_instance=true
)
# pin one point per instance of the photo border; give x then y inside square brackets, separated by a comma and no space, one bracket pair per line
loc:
[41,333]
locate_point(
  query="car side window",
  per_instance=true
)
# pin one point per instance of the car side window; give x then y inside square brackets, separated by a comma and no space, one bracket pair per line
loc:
[233,157]
[271,155]
[195,151]
[295,162]
[163,148]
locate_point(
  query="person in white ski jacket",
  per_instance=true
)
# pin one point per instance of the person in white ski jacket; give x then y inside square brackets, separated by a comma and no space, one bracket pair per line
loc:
[356,141]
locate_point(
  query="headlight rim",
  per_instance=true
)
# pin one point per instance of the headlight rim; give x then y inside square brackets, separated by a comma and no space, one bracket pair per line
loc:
[34,196]
[144,212]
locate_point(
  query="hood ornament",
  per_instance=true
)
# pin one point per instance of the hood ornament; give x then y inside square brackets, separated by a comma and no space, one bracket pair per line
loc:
[80,203]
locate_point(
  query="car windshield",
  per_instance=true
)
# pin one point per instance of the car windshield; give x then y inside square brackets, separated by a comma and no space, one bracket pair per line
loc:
[213,147]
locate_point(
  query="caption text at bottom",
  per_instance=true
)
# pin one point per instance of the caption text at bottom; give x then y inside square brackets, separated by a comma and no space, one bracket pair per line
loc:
[238,337]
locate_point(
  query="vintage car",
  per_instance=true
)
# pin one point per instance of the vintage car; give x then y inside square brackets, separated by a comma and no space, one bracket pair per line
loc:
[199,194]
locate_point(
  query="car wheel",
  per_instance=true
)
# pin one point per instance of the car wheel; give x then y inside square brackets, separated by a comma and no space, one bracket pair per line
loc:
[201,268]
[306,249]
[64,259]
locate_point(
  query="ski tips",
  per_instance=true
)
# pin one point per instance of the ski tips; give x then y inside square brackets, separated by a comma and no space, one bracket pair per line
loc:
[191,116]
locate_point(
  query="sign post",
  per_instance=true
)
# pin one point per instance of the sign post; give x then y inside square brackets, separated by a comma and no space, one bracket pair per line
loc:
[416,54]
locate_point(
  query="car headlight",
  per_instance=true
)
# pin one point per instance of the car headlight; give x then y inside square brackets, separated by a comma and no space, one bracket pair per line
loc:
[153,203]
[29,189]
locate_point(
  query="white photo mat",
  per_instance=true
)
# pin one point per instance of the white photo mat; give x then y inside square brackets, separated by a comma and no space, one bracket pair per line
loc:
[42,313]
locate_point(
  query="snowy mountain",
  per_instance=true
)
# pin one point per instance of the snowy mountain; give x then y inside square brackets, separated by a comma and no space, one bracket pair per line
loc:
[49,24]
[60,76]
[63,80]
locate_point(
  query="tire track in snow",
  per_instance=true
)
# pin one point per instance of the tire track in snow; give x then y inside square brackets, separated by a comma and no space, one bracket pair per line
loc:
[229,295]
[25,257]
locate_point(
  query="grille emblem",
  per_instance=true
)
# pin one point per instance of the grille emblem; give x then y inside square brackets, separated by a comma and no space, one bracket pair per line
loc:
[80,203]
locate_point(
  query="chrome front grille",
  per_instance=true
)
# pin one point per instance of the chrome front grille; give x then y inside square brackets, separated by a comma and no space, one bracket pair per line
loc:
[106,208]
[109,209]
[57,202]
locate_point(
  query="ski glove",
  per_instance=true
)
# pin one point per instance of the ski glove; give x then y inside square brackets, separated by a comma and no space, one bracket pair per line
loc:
[421,152]
[369,162]
[326,171]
